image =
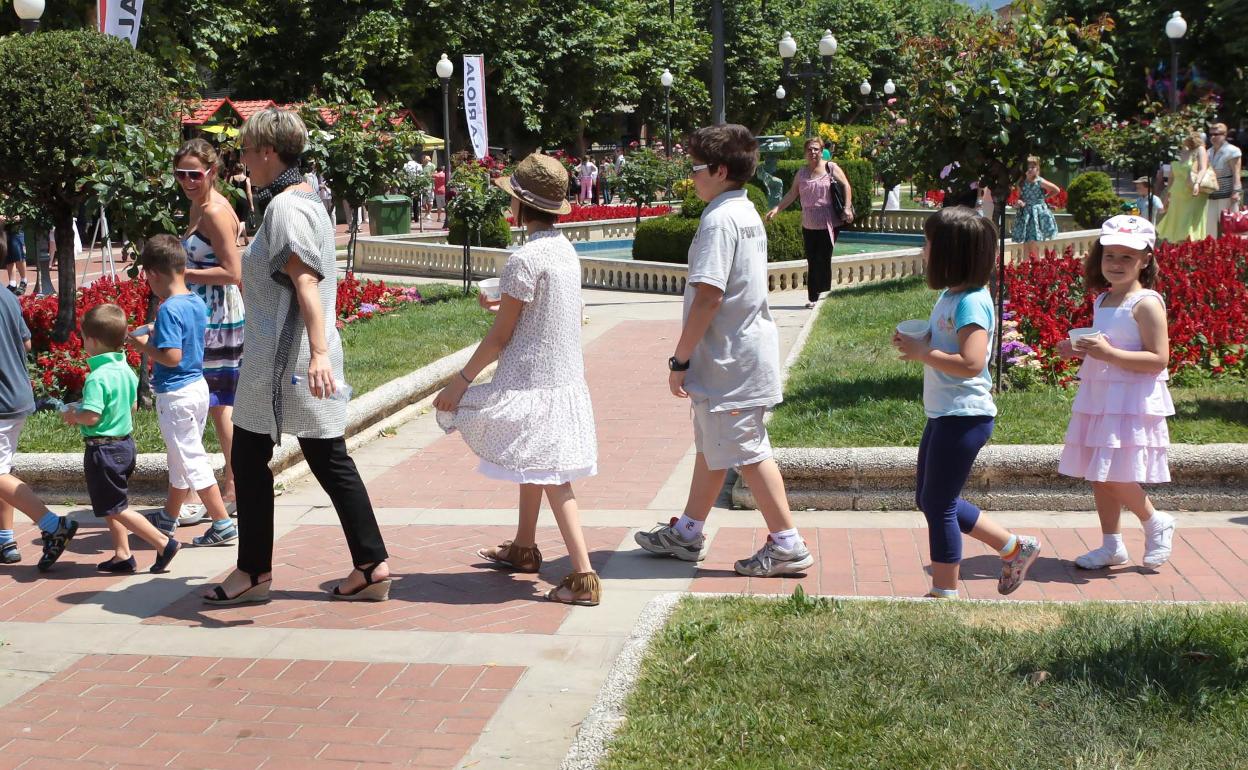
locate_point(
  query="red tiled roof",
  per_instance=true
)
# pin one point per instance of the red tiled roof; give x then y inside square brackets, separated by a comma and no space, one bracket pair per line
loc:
[246,109]
[201,111]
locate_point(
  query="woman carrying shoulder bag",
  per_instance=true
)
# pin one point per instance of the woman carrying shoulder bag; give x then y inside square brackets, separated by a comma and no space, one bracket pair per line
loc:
[820,219]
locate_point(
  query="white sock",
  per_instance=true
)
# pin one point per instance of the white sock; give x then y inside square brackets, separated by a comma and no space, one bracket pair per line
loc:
[12,283]
[787,539]
[1112,543]
[1158,520]
[688,529]
[1008,548]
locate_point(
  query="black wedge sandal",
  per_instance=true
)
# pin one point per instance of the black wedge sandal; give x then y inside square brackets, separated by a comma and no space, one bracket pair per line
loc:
[256,594]
[378,591]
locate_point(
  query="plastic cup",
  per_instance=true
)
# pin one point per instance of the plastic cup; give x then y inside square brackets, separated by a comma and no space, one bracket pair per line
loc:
[490,288]
[1082,332]
[916,329]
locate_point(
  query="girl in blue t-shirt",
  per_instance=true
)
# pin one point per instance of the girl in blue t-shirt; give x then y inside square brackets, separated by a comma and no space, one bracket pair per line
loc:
[957,395]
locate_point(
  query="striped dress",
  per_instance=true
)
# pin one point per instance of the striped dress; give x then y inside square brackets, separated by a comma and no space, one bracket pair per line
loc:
[223,342]
[268,403]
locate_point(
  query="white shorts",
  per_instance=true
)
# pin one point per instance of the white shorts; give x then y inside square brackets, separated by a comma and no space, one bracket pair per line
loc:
[183,414]
[732,438]
[10,432]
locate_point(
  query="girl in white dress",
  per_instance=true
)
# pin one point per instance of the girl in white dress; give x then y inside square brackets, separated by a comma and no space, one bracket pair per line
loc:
[533,423]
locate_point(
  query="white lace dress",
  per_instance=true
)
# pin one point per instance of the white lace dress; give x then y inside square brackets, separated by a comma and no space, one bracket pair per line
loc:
[534,423]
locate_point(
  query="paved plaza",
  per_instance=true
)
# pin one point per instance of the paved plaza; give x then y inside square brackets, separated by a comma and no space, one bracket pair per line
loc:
[465,666]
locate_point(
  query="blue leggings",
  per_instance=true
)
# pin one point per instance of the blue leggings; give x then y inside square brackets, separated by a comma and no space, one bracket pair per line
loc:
[946,454]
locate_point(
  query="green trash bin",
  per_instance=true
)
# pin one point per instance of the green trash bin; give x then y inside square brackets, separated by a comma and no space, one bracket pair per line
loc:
[389,215]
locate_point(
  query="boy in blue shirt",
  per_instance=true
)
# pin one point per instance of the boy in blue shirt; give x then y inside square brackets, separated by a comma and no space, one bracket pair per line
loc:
[176,344]
[17,401]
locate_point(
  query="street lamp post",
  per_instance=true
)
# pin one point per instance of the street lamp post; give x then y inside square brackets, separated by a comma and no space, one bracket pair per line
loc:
[29,12]
[1176,28]
[810,71]
[666,80]
[445,68]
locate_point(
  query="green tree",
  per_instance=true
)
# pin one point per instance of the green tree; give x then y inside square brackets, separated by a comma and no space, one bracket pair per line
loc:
[645,173]
[58,87]
[362,154]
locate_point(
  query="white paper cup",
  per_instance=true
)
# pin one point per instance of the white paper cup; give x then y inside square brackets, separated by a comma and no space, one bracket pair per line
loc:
[490,288]
[916,329]
[1082,332]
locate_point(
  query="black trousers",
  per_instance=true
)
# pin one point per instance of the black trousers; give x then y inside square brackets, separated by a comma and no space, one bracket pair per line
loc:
[334,470]
[818,244]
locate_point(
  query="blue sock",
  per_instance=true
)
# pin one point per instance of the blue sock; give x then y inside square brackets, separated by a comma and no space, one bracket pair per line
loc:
[222,524]
[6,536]
[50,522]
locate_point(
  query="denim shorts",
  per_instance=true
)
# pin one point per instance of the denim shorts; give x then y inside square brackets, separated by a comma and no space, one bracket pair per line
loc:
[17,247]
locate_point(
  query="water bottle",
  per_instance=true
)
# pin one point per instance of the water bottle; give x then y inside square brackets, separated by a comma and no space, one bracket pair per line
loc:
[342,391]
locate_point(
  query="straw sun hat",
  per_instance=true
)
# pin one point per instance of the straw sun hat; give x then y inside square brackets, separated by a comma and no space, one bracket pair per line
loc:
[540,182]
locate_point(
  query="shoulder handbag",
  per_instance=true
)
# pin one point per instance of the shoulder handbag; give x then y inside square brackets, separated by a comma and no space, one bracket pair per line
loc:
[836,193]
[1206,181]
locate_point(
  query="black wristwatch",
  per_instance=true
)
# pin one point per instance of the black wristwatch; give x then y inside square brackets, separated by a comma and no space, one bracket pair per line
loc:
[677,366]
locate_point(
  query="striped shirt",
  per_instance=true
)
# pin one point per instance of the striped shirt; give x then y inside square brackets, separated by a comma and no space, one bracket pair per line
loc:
[274,333]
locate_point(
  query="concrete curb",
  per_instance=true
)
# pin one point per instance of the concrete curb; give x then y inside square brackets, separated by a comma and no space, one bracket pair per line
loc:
[607,714]
[1206,477]
[57,476]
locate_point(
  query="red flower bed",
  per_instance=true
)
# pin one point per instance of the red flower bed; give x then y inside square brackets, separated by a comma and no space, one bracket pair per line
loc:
[1057,200]
[593,213]
[1206,301]
[360,301]
[59,369]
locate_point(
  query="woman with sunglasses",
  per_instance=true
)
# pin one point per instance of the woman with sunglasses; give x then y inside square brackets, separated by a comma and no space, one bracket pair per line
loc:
[819,223]
[214,270]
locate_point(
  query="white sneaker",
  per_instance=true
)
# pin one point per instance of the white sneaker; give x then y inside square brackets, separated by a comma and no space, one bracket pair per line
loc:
[192,513]
[1158,538]
[1100,558]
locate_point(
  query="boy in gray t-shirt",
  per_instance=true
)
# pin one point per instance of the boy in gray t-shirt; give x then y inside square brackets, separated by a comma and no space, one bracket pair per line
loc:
[728,360]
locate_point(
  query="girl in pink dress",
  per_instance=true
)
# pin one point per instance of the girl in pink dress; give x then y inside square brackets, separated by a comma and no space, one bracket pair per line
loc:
[1118,437]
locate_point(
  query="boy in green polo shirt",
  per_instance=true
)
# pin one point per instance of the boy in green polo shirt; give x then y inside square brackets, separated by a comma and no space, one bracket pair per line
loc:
[104,416]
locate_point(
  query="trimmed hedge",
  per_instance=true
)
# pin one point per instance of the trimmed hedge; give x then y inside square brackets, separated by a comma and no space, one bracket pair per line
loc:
[495,234]
[1091,199]
[667,239]
[691,207]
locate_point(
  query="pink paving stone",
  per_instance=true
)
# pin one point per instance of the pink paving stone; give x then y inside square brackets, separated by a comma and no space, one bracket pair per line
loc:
[31,596]
[337,730]
[1207,564]
[643,432]
[440,585]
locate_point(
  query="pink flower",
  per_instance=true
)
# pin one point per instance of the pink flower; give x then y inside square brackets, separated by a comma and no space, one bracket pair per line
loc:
[902,121]
[892,101]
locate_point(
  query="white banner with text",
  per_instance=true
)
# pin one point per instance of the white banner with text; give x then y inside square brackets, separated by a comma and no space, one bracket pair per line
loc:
[474,103]
[120,18]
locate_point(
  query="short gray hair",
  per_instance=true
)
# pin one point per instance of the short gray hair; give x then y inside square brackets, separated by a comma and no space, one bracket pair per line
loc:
[283,130]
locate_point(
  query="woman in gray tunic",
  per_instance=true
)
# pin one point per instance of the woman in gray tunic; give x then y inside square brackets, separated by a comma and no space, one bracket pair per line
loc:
[292,368]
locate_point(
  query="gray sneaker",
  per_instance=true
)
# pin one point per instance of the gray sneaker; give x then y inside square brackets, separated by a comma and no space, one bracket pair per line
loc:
[1014,570]
[160,521]
[664,541]
[191,514]
[772,560]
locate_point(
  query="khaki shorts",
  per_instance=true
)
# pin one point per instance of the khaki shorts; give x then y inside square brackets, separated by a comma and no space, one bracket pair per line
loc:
[732,438]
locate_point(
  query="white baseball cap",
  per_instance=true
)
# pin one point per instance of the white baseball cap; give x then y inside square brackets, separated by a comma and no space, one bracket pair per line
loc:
[1130,231]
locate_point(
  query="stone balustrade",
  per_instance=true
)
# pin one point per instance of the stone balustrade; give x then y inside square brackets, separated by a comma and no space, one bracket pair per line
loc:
[912,220]
[430,256]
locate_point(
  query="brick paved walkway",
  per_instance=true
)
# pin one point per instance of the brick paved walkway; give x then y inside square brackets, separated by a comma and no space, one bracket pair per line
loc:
[466,666]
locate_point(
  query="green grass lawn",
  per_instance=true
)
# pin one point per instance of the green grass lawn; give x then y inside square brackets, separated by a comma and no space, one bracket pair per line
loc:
[801,684]
[848,388]
[375,352]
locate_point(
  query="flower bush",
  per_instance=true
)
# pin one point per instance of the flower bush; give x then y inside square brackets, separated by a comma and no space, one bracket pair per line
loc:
[361,300]
[58,369]
[588,213]
[1206,301]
